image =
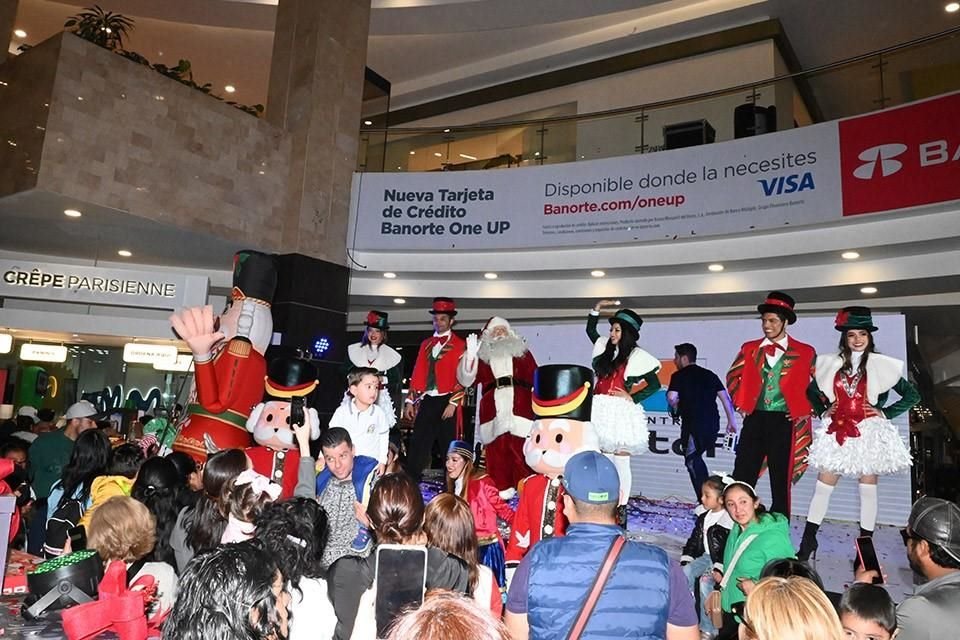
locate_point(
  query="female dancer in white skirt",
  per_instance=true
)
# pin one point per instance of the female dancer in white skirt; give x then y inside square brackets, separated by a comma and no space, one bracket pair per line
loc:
[856,437]
[373,351]
[618,416]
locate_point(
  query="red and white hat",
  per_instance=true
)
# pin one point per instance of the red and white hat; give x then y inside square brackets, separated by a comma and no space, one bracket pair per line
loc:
[496,321]
[444,305]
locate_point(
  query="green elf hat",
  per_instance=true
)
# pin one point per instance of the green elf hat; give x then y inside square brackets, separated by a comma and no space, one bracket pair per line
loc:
[628,319]
[377,320]
[854,318]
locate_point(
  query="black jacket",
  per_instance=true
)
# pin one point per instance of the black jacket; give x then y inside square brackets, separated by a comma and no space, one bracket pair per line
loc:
[716,537]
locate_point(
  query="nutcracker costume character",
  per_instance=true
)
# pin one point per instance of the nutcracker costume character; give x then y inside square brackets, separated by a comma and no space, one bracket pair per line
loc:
[503,366]
[856,437]
[373,352]
[435,395]
[768,384]
[288,384]
[228,359]
[618,416]
[562,400]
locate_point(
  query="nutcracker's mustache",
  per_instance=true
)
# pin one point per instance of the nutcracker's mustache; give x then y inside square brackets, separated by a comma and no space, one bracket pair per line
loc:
[549,457]
[285,436]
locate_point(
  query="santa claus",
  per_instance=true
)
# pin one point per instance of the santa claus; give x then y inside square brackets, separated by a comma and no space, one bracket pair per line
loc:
[500,362]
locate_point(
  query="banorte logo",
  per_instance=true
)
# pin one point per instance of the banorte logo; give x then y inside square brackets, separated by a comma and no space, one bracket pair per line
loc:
[901,158]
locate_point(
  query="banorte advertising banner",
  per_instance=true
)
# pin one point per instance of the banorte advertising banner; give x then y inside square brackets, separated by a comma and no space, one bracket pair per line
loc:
[903,157]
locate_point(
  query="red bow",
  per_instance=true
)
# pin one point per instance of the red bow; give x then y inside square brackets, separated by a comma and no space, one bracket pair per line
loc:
[771,349]
[372,317]
[438,340]
[118,608]
[841,319]
[841,429]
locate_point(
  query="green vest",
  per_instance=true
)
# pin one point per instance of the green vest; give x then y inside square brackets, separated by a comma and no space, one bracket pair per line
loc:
[771,398]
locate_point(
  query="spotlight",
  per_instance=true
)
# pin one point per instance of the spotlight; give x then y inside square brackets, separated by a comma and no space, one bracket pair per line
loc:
[320,346]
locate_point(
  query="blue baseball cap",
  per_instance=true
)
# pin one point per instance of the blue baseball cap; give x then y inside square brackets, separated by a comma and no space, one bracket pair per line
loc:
[590,477]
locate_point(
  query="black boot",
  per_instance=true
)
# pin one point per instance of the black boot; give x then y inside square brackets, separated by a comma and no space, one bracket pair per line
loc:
[864,533]
[622,516]
[808,544]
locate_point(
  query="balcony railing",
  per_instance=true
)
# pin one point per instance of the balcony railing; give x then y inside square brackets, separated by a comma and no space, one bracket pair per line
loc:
[881,79]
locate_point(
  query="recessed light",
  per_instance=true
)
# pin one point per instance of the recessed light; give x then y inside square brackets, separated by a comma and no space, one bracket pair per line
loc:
[229,88]
[368,122]
[868,289]
[952,7]
[467,156]
[76,335]
[715,267]
[413,153]
[390,275]
[123,253]
[616,303]
[597,273]
[20,33]
[438,154]
[72,213]
[399,301]
[849,255]
[446,130]
[490,275]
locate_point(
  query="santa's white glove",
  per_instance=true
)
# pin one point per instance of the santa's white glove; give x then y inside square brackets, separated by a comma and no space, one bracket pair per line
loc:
[473,346]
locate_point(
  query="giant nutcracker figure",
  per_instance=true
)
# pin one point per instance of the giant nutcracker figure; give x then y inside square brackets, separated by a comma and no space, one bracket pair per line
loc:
[562,399]
[277,456]
[228,358]
[502,364]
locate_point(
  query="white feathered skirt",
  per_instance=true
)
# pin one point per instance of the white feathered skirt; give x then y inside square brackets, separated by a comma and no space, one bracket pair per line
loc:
[878,451]
[621,424]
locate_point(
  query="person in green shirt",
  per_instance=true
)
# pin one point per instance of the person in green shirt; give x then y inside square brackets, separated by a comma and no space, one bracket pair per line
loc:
[49,453]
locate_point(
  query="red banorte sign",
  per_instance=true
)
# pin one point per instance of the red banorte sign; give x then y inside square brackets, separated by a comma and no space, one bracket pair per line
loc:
[901,158]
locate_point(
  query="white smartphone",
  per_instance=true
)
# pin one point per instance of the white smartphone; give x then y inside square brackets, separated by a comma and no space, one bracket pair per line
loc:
[401,579]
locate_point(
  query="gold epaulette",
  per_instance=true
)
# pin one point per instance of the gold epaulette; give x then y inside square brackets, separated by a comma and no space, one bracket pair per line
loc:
[239,348]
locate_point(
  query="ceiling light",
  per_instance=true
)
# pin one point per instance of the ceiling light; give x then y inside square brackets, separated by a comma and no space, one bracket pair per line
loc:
[849,255]
[597,273]
[399,301]
[389,275]
[716,268]
[413,153]
[72,213]
[490,275]
[446,130]
[438,154]
[20,33]
[229,88]
[467,156]
[368,122]
[952,7]
[868,289]
[123,253]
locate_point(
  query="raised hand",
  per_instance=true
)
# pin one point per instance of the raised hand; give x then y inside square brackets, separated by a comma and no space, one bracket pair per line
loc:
[604,303]
[195,326]
[473,346]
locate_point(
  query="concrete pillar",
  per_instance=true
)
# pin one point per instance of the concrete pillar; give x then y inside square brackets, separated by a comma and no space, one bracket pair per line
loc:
[8,16]
[316,86]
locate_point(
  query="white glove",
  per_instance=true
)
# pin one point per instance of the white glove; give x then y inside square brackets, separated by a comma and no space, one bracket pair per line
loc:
[473,346]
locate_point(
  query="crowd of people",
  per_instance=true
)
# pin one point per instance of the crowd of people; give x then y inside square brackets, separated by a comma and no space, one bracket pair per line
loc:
[345,546]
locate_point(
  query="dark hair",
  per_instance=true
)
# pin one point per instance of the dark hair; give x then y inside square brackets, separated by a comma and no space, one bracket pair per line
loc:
[294,532]
[242,501]
[158,488]
[125,461]
[206,523]
[686,350]
[786,567]
[750,491]
[715,483]
[872,603]
[25,423]
[334,437]
[185,465]
[941,558]
[845,352]
[46,415]
[364,340]
[396,508]
[605,364]
[219,590]
[89,459]
[779,314]
[14,444]
[356,375]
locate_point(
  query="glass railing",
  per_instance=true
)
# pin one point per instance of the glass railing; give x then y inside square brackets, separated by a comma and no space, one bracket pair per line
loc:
[896,75]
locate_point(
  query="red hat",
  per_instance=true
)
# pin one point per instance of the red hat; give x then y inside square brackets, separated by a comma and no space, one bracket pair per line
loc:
[444,305]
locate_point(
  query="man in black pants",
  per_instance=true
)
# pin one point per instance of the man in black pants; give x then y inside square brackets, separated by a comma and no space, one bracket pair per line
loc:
[435,394]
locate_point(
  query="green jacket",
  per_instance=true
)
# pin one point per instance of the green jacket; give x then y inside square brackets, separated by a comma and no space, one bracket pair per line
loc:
[772,543]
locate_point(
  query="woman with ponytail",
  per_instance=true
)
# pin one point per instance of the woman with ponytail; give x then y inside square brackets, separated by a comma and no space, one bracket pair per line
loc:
[158,487]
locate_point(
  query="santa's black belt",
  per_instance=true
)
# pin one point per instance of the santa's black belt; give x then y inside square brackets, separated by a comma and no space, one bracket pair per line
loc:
[509,381]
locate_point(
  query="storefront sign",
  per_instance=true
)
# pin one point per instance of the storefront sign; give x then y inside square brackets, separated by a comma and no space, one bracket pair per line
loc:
[806,176]
[43,352]
[137,353]
[95,285]
[183,363]
[6,342]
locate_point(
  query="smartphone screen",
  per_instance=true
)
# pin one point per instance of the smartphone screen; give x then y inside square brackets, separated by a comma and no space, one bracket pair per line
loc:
[401,581]
[868,556]
[78,538]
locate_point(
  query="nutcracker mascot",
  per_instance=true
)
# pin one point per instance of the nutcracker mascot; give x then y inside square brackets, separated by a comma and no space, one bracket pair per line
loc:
[228,359]
[277,456]
[503,366]
[562,399]
[373,351]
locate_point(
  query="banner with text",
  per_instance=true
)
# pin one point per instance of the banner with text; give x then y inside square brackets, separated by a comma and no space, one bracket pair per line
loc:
[810,175]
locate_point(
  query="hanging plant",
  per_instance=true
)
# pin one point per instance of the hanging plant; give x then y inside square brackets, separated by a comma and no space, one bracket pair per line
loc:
[104,28]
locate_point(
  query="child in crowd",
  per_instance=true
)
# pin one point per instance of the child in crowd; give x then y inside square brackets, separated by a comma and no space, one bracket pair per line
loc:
[363,419]
[122,470]
[868,613]
[243,502]
[704,548]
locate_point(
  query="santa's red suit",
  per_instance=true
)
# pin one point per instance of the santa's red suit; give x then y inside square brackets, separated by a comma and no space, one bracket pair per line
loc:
[539,515]
[279,466]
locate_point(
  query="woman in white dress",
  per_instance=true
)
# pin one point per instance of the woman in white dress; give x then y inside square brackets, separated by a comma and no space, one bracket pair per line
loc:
[373,351]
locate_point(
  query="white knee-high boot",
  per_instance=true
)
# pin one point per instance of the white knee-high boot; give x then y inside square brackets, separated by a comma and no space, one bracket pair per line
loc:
[868,506]
[820,502]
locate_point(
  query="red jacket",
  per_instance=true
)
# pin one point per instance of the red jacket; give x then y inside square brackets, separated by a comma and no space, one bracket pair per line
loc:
[6,468]
[444,367]
[486,504]
[539,515]
[279,466]
[744,379]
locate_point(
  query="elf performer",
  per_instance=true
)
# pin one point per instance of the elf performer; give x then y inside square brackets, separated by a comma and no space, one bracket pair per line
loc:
[374,352]
[501,363]
[228,359]
[856,437]
[768,384]
[562,401]
[434,397]
[618,416]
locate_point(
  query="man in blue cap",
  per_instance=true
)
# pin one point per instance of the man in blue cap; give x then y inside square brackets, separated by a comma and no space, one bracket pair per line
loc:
[585,584]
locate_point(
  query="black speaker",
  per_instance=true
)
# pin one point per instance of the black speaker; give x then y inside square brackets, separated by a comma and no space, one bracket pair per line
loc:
[754,120]
[688,134]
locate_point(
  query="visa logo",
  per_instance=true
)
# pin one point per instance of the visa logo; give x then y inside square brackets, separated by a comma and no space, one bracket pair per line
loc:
[779,185]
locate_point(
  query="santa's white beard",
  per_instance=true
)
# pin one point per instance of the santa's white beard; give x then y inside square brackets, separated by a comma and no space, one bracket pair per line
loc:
[509,346]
